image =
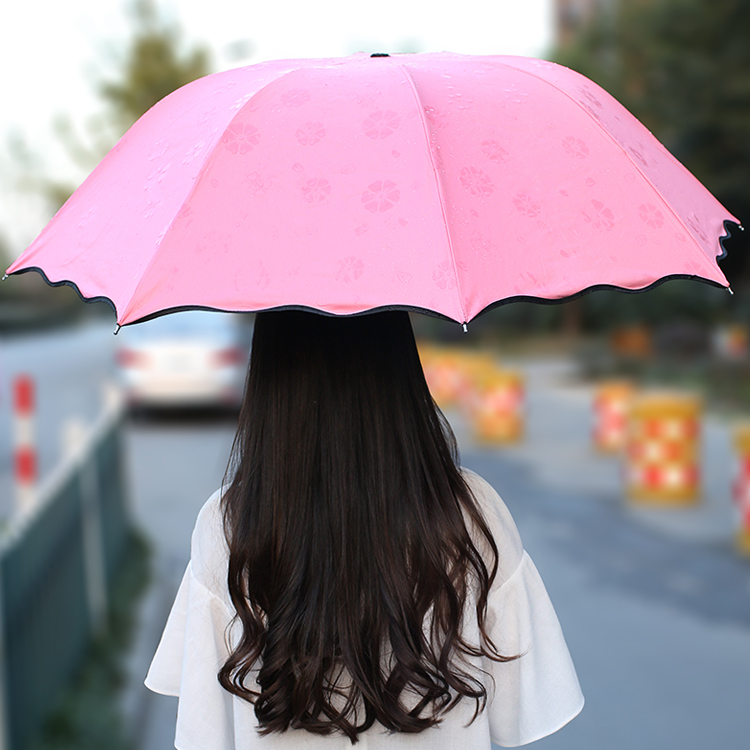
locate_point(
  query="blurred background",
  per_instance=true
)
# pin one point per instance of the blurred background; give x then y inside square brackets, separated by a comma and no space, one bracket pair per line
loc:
[615,426]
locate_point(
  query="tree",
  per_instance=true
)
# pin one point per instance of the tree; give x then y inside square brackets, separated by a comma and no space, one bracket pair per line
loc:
[683,68]
[152,65]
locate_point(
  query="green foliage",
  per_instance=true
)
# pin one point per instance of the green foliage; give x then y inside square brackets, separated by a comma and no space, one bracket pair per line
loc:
[673,300]
[153,66]
[88,716]
[27,171]
[5,254]
[683,68]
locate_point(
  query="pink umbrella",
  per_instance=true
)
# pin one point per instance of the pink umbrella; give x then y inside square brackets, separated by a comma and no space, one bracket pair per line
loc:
[437,182]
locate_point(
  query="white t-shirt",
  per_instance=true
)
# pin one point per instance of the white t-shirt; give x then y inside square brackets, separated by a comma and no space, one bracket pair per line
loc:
[531,697]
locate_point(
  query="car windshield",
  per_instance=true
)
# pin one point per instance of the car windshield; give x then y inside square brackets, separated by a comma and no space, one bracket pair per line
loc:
[188,324]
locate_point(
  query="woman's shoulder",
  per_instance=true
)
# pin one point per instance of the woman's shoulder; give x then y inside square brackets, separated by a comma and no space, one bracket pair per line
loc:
[209,552]
[209,522]
[500,523]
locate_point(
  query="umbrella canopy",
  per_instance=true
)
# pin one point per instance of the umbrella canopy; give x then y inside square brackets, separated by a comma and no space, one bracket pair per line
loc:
[438,182]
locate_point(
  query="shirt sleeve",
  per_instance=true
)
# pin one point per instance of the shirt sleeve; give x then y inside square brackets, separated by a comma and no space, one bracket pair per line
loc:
[537,693]
[195,645]
[530,697]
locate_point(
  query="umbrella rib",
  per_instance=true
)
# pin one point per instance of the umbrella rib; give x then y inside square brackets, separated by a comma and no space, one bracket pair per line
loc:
[605,130]
[132,301]
[439,187]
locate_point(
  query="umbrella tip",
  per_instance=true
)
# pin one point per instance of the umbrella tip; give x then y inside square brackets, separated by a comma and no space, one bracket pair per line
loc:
[729,289]
[5,276]
[379,54]
[117,329]
[465,327]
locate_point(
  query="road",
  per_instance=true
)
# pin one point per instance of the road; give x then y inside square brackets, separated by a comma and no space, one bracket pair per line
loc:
[68,368]
[655,606]
[659,628]
[656,612]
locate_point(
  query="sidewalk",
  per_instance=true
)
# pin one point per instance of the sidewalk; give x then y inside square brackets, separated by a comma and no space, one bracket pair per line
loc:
[557,450]
[175,467]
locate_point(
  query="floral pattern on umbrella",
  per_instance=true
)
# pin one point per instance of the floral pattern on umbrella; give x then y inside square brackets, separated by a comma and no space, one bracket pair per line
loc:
[328,184]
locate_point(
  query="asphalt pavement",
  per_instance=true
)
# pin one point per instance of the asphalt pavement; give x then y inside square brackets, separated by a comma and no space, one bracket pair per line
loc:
[176,464]
[655,605]
[68,367]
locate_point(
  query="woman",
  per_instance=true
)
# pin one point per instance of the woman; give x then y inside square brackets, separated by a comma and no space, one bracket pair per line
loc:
[350,583]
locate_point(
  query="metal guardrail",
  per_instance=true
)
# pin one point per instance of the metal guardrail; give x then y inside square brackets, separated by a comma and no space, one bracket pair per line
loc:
[56,567]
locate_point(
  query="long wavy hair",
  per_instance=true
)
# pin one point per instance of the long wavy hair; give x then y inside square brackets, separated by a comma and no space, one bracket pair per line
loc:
[350,560]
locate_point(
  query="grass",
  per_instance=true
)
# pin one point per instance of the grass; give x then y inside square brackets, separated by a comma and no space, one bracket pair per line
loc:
[87,716]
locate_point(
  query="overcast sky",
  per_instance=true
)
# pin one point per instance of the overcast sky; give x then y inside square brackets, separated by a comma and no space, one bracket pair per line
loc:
[52,52]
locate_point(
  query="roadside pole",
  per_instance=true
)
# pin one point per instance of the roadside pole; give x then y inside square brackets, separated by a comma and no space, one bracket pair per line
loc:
[25,458]
[76,437]
[4,717]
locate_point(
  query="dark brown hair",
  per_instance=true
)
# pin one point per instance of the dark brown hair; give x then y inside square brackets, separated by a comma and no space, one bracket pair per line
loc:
[350,560]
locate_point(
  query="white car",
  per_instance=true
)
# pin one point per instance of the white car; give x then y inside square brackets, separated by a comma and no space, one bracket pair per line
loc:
[185,359]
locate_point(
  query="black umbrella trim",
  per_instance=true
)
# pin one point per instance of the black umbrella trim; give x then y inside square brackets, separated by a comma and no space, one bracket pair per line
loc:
[408,308]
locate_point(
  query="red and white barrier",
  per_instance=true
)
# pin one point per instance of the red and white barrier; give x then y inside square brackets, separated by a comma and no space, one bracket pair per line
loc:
[742,487]
[497,410]
[662,457]
[611,406]
[25,458]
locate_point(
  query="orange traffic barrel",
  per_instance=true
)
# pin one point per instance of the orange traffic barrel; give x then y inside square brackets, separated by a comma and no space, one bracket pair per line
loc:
[498,408]
[742,487]
[632,341]
[444,374]
[611,407]
[662,448]
[427,354]
[451,373]
[731,341]
[477,366]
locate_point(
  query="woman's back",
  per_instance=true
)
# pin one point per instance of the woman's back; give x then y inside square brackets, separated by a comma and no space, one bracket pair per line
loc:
[368,587]
[529,697]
